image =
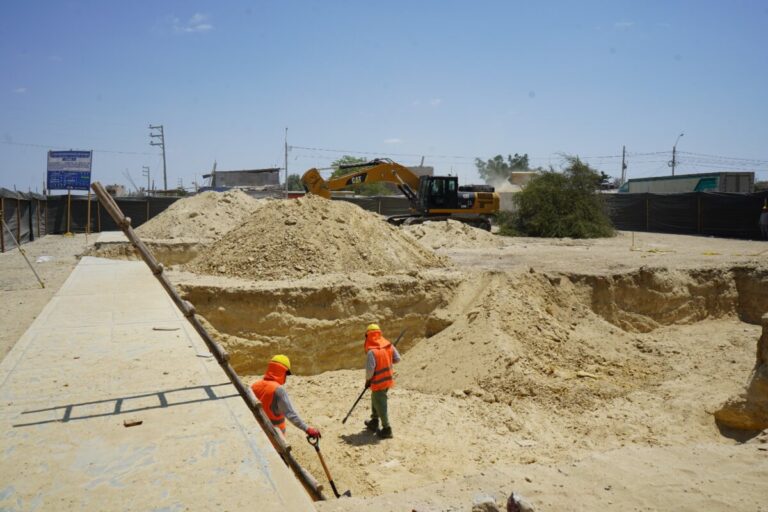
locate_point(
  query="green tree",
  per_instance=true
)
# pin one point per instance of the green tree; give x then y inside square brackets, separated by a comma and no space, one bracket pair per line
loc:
[497,169]
[365,189]
[560,204]
[294,182]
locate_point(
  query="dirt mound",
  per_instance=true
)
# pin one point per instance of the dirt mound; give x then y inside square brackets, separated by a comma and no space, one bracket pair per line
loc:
[205,216]
[543,335]
[749,410]
[312,236]
[452,234]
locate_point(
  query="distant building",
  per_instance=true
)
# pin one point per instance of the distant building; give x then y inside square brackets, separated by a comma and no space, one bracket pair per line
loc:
[731,182]
[246,178]
[116,190]
[422,170]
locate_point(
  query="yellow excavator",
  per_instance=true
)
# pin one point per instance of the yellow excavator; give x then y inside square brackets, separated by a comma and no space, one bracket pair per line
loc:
[432,198]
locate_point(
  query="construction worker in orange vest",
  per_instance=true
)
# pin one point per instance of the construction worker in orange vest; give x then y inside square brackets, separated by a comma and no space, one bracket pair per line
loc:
[274,398]
[380,356]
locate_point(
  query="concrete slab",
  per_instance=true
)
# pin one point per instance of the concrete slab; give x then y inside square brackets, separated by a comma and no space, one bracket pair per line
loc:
[111,346]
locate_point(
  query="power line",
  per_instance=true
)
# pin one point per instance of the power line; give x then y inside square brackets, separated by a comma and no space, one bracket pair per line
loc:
[51,146]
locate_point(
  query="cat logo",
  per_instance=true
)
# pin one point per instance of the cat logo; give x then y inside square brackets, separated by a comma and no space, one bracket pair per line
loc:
[356,180]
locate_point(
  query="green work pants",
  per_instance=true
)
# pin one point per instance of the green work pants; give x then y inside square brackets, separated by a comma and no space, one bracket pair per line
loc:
[379,406]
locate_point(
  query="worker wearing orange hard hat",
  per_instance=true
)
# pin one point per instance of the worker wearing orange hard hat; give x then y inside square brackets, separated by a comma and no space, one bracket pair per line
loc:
[381,355]
[274,398]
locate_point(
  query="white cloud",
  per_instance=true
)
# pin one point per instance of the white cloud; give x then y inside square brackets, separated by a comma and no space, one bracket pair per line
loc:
[393,140]
[20,90]
[623,25]
[196,24]
[435,102]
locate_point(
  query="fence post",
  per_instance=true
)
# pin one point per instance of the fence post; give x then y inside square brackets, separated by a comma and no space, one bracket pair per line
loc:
[147,210]
[18,220]
[2,217]
[98,214]
[647,214]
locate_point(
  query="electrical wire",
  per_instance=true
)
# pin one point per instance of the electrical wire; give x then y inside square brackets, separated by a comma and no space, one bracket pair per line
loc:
[53,147]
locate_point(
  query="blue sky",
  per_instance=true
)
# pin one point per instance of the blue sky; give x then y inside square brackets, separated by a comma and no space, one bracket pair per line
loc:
[447,79]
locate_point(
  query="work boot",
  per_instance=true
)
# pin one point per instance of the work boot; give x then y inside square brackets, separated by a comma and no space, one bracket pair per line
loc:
[372,424]
[385,433]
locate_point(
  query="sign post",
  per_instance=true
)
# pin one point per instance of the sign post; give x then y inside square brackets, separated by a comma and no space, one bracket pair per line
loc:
[70,170]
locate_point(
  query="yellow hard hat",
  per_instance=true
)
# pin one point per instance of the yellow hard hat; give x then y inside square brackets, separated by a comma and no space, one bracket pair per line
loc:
[283,360]
[372,327]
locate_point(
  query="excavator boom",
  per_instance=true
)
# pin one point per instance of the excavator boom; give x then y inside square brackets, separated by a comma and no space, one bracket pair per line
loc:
[431,197]
[375,171]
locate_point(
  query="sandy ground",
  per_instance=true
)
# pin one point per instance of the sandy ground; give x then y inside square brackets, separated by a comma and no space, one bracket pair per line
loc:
[21,295]
[624,252]
[639,434]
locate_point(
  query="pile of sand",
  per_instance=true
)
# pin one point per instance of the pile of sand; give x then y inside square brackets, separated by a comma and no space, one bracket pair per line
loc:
[311,236]
[205,216]
[452,234]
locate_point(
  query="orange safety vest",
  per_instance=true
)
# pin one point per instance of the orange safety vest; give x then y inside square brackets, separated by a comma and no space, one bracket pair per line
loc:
[265,392]
[265,388]
[382,374]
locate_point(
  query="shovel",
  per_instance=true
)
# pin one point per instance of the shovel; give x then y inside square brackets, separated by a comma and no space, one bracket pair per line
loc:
[315,441]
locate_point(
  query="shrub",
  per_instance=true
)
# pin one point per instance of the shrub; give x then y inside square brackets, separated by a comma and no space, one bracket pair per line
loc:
[560,204]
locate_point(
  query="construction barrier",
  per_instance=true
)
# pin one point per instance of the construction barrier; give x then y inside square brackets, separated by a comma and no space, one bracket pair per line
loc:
[695,213]
[65,215]
[24,215]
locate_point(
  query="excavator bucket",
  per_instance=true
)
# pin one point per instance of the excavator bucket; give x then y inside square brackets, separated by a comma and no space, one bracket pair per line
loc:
[315,184]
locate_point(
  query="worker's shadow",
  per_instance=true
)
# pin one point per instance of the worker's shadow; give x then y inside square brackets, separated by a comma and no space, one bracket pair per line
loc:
[361,438]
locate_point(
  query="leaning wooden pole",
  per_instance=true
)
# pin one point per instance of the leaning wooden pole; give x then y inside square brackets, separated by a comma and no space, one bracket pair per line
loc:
[280,445]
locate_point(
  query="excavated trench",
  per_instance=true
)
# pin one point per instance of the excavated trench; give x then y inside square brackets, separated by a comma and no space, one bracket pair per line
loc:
[167,252]
[321,325]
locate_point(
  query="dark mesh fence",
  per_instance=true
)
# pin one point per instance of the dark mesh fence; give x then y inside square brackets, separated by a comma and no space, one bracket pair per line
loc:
[139,209]
[22,213]
[696,213]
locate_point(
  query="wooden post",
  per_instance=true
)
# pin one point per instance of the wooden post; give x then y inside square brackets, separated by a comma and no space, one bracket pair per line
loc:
[46,215]
[147,220]
[222,357]
[37,210]
[88,223]
[69,207]
[98,215]
[18,220]
[647,214]
[2,218]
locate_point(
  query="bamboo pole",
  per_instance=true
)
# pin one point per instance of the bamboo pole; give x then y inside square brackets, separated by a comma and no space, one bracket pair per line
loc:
[2,217]
[18,220]
[21,250]
[88,222]
[222,357]
[69,212]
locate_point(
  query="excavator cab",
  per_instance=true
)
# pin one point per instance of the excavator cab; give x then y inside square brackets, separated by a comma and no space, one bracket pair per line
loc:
[438,193]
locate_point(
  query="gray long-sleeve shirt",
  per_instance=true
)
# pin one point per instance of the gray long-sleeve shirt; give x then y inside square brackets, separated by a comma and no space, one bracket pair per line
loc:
[281,404]
[370,362]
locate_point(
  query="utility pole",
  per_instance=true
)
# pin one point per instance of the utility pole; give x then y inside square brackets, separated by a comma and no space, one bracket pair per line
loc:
[145,172]
[286,161]
[672,163]
[161,136]
[623,165]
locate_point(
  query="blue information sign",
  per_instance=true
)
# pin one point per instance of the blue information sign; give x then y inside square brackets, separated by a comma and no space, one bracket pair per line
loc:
[69,170]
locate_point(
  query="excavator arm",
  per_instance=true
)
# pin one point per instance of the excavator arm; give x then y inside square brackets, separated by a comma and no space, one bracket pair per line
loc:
[375,171]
